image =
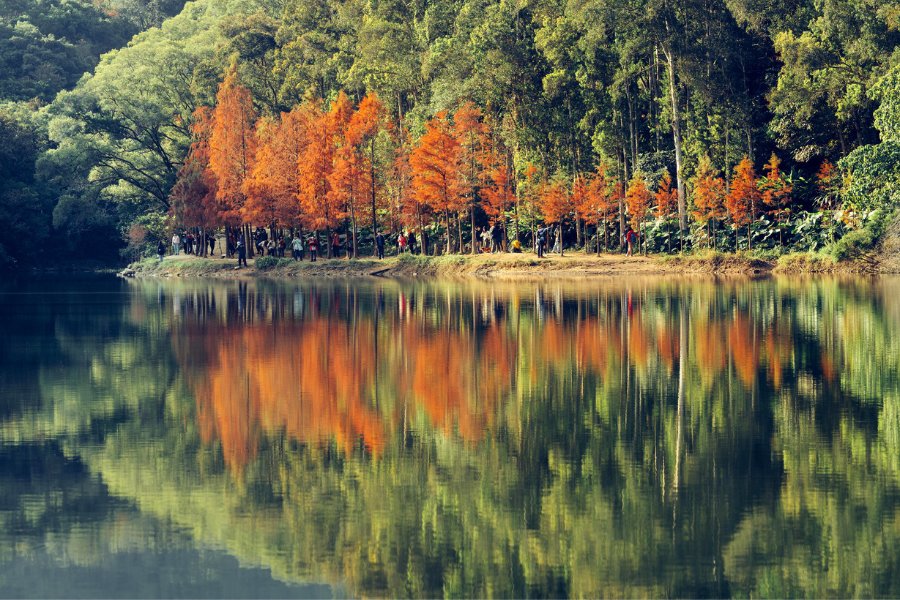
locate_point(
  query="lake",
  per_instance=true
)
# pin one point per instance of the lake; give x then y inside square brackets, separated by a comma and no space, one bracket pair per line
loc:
[628,438]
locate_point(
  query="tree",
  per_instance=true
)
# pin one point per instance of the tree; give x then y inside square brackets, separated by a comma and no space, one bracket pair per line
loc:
[470,131]
[323,208]
[556,206]
[828,182]
[742,198]
[362,134]
[232,146]
[498,189]
[776,193]
[585,203]
[637,199]
[667,202]
[193,197]
[436,166]
[709,197]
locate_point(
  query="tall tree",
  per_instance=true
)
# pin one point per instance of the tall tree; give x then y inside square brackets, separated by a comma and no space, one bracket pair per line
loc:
[470,131]
[436,166]
[362,134]
[743,198]
[323,208]
[232,145]
[709,197]
[776,193]
[637,199]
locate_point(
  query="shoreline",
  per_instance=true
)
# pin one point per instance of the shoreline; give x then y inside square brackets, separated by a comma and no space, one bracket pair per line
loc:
[501,266]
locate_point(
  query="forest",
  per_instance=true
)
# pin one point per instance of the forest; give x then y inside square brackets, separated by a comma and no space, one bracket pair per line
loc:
[726,124]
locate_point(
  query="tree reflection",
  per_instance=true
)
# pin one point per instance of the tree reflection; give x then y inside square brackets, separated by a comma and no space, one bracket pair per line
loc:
[622,438]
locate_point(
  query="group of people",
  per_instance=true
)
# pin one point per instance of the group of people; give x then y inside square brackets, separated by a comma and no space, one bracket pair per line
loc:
[491,239]
[187,242]
[542,237]
[407,242]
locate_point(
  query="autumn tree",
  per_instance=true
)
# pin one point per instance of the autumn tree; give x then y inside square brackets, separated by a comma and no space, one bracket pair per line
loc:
[405,205]
[362,133]
[470,131]
[709,197]
[667,202]
[348,187]
[584,202]
[556,205]
[436,166]
[323,208]
[498,185]
[637,199]
[743,198]
[776,193]
[192,200]
[601,192]
[232,146]
[259,206]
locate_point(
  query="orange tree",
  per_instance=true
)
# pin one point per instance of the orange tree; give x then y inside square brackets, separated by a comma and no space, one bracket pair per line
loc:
[192,200]
[362,132]
[436,165]
[667,201]
[323,209]
[232,146]
[498,188]
[709,197]
[602,192]
[584,202]
[742,199]
[637,199]
[556,205]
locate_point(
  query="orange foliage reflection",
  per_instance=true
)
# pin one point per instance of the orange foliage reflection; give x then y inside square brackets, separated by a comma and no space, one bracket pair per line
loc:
[361,371]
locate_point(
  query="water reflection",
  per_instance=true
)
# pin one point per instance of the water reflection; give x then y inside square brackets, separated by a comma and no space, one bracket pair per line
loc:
[640,437]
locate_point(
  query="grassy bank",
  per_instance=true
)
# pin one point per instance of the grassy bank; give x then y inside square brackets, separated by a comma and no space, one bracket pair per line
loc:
[575,265]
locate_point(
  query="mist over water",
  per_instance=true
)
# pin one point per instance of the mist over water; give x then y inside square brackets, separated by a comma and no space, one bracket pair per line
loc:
[628,437]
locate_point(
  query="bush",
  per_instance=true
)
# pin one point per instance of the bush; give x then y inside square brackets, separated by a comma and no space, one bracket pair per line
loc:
[862,240]
[265,263]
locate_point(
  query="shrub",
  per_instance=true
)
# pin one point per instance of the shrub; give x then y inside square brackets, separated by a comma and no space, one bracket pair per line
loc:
[264,263]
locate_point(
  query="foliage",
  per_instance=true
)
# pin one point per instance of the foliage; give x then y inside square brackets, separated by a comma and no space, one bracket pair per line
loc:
[678,91]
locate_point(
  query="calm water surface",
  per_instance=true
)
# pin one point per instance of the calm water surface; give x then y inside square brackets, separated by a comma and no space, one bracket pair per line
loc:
[627,438]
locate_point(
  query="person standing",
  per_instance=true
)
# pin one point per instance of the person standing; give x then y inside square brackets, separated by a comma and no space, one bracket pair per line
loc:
[297,248]
[630,236]
[241,252]
[211,241]
[497,238]
[379,245]
[539,244]
[401,243]
[160,250]
[313,248]
[335,245]
[412,243]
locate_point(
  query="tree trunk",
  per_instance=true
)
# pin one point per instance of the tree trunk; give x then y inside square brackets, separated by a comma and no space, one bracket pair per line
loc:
[372,195]
[472,225]
[676,135]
